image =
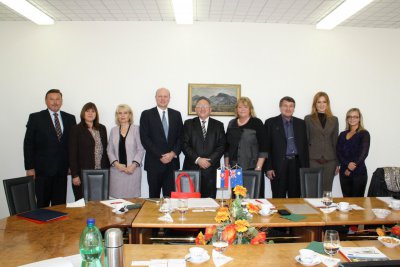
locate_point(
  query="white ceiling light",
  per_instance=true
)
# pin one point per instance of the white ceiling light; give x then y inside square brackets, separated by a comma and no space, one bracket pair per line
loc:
[347,9]
[183,10]
[29,11]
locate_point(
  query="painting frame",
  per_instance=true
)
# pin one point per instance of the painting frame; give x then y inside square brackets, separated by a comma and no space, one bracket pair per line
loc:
[222,93]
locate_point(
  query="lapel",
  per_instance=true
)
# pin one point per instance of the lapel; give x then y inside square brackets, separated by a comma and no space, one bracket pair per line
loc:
[157,118]
[280,129]
[49,121]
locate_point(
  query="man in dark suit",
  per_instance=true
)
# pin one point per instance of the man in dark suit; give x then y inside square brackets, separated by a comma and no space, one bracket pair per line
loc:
[203,144]
[287,149]
[46,150]
[160,133]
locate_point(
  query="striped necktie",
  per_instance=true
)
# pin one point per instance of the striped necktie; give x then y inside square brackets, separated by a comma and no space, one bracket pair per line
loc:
[57,125]
[165,124]
[203,129]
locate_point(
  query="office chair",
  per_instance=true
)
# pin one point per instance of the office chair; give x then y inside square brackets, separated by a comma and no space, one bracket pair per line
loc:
[20,194]
[311,182]
[95,184]
[194,175]
[252,182]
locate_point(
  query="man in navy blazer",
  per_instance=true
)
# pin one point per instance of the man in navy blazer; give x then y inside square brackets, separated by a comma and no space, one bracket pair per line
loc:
[287,148]
[160,133]
[203,144]
[46,150]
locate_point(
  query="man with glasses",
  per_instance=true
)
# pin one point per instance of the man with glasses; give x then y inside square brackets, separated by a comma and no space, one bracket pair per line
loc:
[203,144]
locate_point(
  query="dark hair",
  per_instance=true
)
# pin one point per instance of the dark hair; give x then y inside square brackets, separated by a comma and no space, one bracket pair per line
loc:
[53,91]
[203,98]
[86,107]
[288,99]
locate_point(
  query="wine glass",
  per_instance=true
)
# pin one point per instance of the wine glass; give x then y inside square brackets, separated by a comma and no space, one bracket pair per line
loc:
[182,208]
[327,198]
[331,245]
[219,243]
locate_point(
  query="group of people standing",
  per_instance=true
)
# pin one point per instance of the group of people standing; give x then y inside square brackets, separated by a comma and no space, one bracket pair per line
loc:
[55,144]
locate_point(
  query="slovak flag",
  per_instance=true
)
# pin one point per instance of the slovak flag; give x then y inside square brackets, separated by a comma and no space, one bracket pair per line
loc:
[236,177]
[222,178]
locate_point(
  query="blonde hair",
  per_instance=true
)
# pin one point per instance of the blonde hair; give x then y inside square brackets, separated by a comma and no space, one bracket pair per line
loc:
[314,111]
[360,122]
[247,102]
[125,107]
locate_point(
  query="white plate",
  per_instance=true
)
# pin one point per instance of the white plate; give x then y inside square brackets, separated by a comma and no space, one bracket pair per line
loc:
[205,258]
[266,214]
[317,260]
[390,206]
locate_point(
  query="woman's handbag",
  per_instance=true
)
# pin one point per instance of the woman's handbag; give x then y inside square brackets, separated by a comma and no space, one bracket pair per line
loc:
[179,193]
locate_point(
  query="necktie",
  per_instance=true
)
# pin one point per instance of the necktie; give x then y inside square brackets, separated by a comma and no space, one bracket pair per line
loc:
[203,128]
[57,125]
[165,124]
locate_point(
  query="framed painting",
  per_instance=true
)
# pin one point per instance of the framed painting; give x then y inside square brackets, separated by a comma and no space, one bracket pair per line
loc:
[223,97]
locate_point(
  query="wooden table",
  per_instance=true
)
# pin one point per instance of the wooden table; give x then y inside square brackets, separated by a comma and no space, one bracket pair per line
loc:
[22,242]
[277,255]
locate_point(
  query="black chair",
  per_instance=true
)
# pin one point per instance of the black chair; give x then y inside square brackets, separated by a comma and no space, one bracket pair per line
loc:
[20,194]
[95,184]
[252,182]
[194,175]
[311,182]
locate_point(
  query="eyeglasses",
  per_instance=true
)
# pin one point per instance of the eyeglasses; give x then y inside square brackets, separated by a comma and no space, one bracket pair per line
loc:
[203,106]
[353,117]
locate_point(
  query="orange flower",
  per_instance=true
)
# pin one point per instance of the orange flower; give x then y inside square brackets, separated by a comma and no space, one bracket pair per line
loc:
[259,238]
[200,239]
[210,231]
[229,233]
[240,190]
[396,230]
[241,225]
[222,216]
[253,208]
[380,231]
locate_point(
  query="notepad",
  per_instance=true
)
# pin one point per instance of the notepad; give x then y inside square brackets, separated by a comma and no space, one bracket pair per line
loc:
[43,215]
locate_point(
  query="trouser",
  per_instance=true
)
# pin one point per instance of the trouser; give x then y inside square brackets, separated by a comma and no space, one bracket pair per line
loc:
[328,174]
[287,179]
[50,189]
[353,185]
[161,181]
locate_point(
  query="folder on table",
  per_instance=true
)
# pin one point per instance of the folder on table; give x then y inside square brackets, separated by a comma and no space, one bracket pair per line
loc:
[42,215]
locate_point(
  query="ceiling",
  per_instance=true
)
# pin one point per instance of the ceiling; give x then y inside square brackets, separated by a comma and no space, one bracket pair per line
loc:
[379,14]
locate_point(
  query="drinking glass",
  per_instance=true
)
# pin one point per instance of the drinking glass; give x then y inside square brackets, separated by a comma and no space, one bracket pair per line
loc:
[331,244]
[182,208]
[219,243]
[165,205]
[327,198]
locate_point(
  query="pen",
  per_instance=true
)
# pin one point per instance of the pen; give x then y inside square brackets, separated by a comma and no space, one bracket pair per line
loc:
[259,201]
[112,203]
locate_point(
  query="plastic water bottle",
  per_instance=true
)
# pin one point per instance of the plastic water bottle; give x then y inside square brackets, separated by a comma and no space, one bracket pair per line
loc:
[91,245]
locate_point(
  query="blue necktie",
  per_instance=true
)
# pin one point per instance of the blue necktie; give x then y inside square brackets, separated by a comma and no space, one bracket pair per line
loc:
[165,124]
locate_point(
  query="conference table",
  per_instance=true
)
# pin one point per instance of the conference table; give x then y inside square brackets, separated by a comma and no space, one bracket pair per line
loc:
[22,241]
[307,229]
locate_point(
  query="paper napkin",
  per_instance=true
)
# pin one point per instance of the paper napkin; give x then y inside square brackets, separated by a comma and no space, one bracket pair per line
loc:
[294,217]
[166,218]
[316,247]
[77,204]
[220,259]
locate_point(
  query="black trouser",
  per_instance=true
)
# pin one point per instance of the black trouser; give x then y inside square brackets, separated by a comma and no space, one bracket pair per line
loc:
[353,185]
[161,180]
[287,179]
[51,189]
[208,183]
[78,190]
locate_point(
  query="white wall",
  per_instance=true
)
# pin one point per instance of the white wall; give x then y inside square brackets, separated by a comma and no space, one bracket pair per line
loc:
[124,62]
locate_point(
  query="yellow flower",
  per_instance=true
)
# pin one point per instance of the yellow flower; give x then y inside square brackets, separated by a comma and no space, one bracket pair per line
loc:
[222,216]
[241,225]
[253,208]
[240,190]
[200,239]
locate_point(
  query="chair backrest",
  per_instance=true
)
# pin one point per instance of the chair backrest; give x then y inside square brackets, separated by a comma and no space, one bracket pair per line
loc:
[194,175]
[252,182]
[20,194]
[311,182]
[95,184]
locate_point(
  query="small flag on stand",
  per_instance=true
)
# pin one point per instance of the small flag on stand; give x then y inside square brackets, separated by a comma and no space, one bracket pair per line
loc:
[223,178]
[236,177]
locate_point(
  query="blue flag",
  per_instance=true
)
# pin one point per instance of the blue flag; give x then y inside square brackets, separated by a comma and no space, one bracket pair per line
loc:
[236,177]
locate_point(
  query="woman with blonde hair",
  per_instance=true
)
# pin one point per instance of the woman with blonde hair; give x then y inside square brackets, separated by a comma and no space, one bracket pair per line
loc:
[125,152]
[322,133]
[245,139]
[352,150]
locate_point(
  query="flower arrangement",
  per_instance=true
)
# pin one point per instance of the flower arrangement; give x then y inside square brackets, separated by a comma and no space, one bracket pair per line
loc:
[394,231]
[234,226]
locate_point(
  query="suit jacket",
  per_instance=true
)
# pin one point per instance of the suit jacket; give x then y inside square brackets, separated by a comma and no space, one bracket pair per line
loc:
[42,150]
[81,149]
[194,145]
[154,141]
[276,142]
[322,141]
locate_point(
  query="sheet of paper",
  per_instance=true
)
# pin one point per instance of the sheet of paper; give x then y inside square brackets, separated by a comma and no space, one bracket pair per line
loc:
[301,209]
[259,201]
[196,203]
[317,202]
[387,200]
[54,262]
[113,203]
[77,204]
